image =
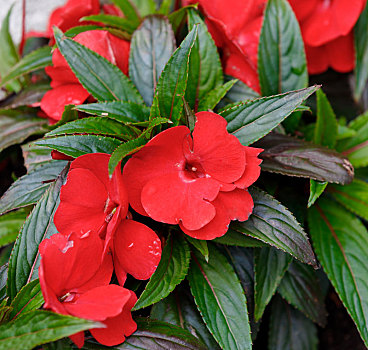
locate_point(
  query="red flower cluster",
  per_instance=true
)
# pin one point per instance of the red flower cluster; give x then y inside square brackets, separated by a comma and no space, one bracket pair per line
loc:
[327,29]
[96,235]
[198,182]
[66,88]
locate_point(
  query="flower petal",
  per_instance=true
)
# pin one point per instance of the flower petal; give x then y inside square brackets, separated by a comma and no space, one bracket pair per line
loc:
[317,59]
[77,339]
[341,53]
[252,168]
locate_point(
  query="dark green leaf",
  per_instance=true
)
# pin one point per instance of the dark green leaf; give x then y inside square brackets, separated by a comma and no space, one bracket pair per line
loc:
[130,12]
[151,47]
[77,145]
[249,121]
[290,156]
[315,191]
[39,327]
[72,32]
[3,279]
[29,188]
[273,224]
[107,83]
[341,244]
[200,245]
[177,18]
[125,112]
[171,270]
[361,54]
[290,329]
[190,118]
[270,265]
[239,92]
[10,225]
[15,127]
[353,196]
[173,80]
[233,237]
[220,299]
[35,156]
[29,298]
[25,258]
[37,59]
[113,21]
[205,71]
[300,287]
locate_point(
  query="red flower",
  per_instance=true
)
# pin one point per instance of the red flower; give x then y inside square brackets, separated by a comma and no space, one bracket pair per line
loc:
[66,88]
[90,201]
[236,26]
[327,32]
[75,282]
[198,182]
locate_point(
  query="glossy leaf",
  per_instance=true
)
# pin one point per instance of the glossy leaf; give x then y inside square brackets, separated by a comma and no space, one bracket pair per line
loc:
[39,327]
[171,270]
[10,225]
[341,244]
[273,224]
[113,21]
[77,145]
[15,127]
[151,47]
[270,265]
[315,191]
[290,156]
[249,121]
[108,83]
[237,238]
[220,299]
[205,71]
[300,287]
[37,59]
[173,80]
[25,258]
[290,329]
[125,112]
[353,197]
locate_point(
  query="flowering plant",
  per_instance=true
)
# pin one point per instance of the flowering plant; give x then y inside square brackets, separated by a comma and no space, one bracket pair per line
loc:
[186,187]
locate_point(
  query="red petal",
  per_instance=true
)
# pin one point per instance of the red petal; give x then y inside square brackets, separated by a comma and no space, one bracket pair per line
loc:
[61,76]
[55,100]
[161,155]
[137,249]
[341,53]
[252,168]
[60,156]
[77,339]
[220,153]
[303,9]
[118,327]
[174,197]
[317,59]
[235,205]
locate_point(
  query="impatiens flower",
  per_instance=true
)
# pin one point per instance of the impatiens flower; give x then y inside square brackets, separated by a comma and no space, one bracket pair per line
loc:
[327,32]
[75,281]
[199,182]
[235,25]
[66,88]
[91,201]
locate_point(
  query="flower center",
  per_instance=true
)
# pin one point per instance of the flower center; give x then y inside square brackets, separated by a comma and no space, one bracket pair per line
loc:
[66,298]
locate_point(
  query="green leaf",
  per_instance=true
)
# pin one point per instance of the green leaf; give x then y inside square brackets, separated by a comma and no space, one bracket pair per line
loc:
[39,327]
[113,21]
[249,121]
[151,47]
[37,59]
[15,127]
[294,157]
[77,145]
[171,270]
[273,224]
[315,191]
[205,71]
[29,188]
[212,98]
[173,80]
[125,112]
[353,197]
[200,245]
[25,258]
[35,156]
[177,17]
[8,53]
[270,265]
[220,299]
[341,244]
[72,32]
[95,125]
[130,12]
[240,92]
[300,287]
[29,298]
[107,83]
[144,7]
[290,329]
[10,225]
[361,54]
[233,237]
[326,127]
[282,64]
[3,279]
